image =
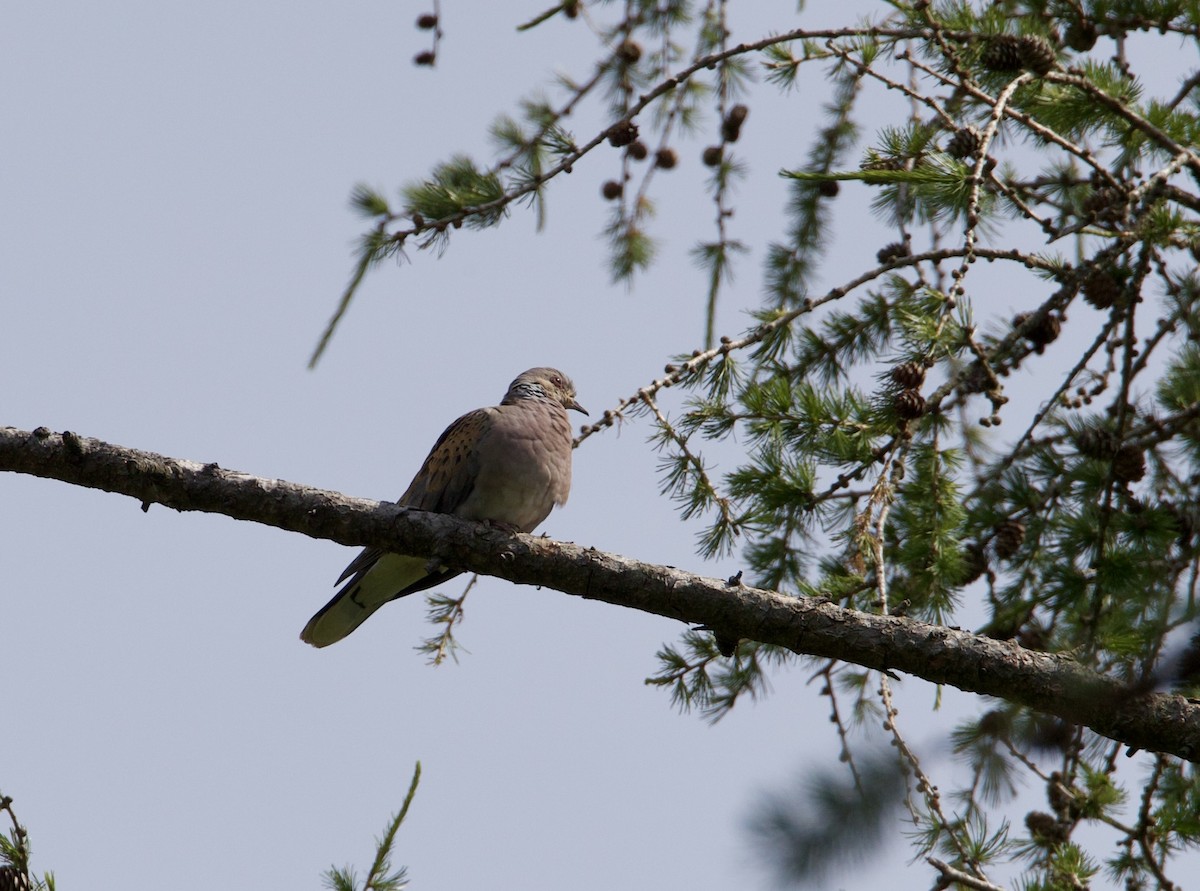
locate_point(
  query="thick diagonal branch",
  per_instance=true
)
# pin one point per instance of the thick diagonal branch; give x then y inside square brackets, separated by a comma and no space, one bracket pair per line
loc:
[1052,684]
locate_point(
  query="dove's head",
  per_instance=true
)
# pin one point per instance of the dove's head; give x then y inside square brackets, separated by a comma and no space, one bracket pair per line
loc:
[543,383]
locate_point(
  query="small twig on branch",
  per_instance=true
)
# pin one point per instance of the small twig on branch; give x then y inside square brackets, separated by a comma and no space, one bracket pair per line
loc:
[957,875]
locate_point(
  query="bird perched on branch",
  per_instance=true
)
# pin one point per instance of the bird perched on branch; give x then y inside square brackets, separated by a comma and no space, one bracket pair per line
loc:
[507,465]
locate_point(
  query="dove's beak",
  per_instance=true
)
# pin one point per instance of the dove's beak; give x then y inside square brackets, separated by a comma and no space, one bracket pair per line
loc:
[577,407]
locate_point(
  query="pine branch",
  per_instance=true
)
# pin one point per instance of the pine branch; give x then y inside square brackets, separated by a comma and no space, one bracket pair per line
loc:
[482,213]
[381,876]
[1049,683]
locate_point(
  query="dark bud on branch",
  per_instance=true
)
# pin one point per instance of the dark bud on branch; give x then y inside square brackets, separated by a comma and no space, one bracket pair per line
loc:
[622,133]
[1001,53]
[1037,55]
[666,158]
[731,127]
[1010,535]
[1129,464]
[629,52]
[893,251]
[1101,289]
[909,405]
[1081,35]
[964,143]
[909,375]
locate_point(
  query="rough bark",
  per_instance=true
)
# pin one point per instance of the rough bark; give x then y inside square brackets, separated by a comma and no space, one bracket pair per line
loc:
[1053,684]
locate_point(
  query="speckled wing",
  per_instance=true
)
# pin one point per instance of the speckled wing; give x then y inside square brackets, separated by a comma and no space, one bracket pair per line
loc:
[448,475]
[374,577]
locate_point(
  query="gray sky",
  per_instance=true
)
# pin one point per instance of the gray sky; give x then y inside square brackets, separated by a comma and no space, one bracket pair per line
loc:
[175,234]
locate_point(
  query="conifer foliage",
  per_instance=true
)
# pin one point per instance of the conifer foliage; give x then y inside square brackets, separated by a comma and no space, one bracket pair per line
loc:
[916,439]
[992,422]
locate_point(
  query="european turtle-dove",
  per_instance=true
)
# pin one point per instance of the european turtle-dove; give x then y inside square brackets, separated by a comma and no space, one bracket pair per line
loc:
[507,465]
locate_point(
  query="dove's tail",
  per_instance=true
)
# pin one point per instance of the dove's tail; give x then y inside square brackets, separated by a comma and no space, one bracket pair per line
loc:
[338,617]
[375,581]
